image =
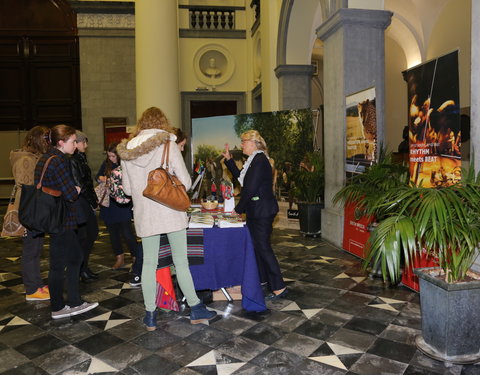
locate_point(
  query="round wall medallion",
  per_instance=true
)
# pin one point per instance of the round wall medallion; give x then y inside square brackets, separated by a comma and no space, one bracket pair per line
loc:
[213,65]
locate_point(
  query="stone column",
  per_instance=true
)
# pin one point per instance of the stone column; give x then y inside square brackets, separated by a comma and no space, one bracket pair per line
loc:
[156,57]
[354,60]
[294,82]
[475,95]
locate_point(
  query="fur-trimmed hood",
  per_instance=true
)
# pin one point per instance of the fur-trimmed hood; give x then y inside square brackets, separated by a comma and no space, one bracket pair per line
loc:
[138,150]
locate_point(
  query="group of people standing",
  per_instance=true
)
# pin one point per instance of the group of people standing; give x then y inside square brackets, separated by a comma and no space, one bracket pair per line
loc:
[70,248]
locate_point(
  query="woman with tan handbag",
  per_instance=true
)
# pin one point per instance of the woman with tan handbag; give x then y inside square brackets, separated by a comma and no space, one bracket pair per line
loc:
[140,155]
[23,163]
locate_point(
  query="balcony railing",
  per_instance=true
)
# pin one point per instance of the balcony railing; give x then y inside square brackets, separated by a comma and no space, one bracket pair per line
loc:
[212,19]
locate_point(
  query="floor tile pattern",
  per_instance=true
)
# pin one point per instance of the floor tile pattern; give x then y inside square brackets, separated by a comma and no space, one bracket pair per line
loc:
[336,320]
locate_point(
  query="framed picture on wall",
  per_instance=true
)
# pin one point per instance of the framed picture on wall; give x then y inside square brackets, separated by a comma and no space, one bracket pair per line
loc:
[114,129]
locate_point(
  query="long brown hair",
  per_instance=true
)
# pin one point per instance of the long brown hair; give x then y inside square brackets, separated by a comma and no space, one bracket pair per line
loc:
[112,147]
[179,134]
[37,140]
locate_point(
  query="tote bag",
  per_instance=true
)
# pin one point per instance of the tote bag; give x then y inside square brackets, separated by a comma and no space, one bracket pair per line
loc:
[164,188]
[42,209]
[11,223]
[103,196]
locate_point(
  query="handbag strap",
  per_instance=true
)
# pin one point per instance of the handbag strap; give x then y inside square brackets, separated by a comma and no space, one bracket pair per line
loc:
[165,159]
[12,196]
[39,185]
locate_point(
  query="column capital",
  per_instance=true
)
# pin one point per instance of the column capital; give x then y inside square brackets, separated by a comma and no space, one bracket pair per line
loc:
[293,70]
[375,19]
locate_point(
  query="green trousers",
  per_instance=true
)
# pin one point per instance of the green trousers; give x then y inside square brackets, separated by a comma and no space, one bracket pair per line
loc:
[178,244]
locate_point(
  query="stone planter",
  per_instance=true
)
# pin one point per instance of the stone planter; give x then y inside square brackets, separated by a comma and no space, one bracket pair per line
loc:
[450,318]
[310,217]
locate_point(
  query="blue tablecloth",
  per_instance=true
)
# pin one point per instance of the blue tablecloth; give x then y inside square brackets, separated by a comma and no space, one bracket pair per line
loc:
[229,260]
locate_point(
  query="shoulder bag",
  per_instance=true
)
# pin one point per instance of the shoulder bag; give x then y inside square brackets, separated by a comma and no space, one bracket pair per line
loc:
[165,188]
[11,224]
[103,197]
[42,209]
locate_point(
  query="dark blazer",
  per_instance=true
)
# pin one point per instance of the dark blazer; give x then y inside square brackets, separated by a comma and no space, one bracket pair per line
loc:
[256,198]
[83,177]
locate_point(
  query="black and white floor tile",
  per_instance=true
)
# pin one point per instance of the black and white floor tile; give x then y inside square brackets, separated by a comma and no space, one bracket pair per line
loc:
[336,320]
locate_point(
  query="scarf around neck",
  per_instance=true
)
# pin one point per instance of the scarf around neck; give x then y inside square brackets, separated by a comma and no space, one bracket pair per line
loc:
[243,172]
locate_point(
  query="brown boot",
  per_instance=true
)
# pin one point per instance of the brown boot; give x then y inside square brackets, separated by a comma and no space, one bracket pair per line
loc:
[120,262]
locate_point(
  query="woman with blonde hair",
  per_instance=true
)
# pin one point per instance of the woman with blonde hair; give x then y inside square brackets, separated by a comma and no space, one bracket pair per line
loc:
[140,155]
[258,202]
[23,163]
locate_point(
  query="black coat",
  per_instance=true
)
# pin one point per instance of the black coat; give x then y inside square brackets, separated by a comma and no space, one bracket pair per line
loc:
[82,176]
[256,198]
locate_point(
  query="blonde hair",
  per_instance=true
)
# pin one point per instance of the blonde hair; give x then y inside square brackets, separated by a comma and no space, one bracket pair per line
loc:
[153,118]
[254,135]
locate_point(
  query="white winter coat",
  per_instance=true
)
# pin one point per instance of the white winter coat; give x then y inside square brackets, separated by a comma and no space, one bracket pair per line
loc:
[139,156]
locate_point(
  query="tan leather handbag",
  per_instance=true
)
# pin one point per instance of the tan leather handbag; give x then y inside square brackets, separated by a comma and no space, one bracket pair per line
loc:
[165,188]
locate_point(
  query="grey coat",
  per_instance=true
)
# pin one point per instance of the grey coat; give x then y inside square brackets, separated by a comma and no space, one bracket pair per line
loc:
[139,156]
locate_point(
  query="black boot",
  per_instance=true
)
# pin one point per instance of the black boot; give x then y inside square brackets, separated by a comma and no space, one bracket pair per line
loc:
[85,277]
[92,274]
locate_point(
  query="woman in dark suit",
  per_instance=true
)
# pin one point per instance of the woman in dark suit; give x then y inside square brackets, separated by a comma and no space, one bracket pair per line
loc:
[258,202]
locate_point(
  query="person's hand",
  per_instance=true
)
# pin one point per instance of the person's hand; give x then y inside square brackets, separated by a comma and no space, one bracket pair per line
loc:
[78,189]
[226,153]
[102,178]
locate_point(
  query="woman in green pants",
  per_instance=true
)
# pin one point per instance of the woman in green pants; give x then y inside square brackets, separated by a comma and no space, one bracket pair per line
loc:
[140,155]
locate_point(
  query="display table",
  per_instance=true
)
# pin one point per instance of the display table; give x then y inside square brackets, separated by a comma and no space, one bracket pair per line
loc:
[229,260]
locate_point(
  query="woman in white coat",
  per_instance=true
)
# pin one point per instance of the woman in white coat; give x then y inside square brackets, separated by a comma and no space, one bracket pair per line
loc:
[140,155]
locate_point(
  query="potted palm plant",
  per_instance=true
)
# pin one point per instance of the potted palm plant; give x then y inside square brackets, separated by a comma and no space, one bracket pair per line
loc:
[308,191]
[444,223]
[364,190]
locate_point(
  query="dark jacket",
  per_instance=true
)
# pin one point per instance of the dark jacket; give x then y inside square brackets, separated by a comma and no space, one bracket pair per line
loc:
[115,213]
[256,198]
[58,176]
[82,175]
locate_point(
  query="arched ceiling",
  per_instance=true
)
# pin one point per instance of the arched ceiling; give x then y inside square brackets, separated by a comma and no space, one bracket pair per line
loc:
[412,25]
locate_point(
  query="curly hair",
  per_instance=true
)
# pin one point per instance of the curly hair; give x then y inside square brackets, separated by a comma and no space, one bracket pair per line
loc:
[37,140]
[153,118]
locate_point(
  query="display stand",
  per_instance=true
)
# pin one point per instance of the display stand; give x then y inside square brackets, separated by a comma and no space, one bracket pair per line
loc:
[409,279]
[355,231]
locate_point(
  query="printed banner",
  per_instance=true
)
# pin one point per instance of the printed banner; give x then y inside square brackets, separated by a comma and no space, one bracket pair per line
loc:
[361,131]
[434,122]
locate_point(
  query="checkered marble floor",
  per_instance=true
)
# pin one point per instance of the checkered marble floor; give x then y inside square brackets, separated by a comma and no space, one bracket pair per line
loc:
[336,320]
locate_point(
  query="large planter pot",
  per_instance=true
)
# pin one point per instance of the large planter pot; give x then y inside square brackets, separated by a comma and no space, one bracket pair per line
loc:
[310,217]
[450,318]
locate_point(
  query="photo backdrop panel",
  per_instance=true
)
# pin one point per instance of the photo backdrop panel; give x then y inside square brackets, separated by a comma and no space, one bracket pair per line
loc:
[288,134]
[434,121]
